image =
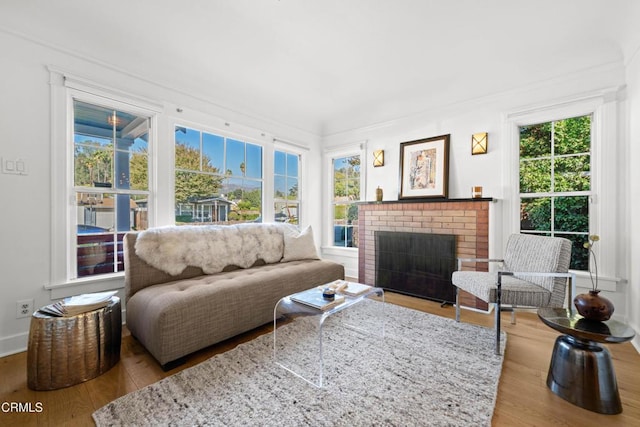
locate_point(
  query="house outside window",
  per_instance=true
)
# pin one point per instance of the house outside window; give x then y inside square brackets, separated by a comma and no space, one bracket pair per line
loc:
[218,179]
[110,184]
[555,182]
[286,197]
[345,195]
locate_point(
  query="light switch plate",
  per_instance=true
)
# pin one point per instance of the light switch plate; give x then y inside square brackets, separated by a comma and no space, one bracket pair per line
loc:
[14,166]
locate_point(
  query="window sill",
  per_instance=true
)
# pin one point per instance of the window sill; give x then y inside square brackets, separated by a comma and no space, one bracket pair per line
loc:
[338,250]
[605,283]
[86,285]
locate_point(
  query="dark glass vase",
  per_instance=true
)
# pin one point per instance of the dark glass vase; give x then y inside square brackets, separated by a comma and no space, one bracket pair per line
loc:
[593,307]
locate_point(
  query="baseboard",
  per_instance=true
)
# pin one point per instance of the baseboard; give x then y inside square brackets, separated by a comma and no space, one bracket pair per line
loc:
[14,344]
[477,310]
[18,343]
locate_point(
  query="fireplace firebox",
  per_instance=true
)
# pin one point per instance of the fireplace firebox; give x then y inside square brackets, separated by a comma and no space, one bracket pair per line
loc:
[417,264]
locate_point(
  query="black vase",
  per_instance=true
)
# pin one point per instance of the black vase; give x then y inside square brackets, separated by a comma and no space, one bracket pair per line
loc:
[593,307]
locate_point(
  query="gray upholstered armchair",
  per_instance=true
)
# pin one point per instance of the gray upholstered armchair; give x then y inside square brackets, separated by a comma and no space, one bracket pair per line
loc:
[534,274]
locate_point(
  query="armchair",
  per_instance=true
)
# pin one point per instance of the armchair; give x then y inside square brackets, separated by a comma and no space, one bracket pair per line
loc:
[534,274]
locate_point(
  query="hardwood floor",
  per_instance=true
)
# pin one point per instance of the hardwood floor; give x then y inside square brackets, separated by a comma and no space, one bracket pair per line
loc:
[523,397]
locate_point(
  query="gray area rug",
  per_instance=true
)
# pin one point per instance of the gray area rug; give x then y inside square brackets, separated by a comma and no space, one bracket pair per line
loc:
[427,370]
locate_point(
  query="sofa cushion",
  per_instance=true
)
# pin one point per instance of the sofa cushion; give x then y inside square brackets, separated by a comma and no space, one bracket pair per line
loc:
[299,245]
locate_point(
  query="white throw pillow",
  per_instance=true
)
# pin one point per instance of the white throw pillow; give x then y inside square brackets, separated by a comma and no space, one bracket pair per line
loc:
[299,246]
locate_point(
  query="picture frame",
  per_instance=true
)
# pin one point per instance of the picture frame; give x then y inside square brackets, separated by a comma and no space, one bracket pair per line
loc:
[424,168]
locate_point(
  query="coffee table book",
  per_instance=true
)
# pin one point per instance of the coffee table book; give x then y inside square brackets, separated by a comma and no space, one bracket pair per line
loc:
[355,289]
[313,298]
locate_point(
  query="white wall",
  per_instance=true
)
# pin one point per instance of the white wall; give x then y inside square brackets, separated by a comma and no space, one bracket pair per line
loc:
[25,226]
[632,175]
[491,171]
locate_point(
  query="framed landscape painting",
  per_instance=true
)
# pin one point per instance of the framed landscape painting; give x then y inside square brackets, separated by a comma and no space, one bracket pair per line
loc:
[424,168]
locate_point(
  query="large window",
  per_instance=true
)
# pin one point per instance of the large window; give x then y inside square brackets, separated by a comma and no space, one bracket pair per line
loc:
[110,184]
[555,182]
[218,180]
[286,196]
[346,194]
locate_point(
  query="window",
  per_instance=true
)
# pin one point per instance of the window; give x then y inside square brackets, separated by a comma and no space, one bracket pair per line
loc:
[218,180]
[286,195]
[555,182]
[110,184]
[346,194]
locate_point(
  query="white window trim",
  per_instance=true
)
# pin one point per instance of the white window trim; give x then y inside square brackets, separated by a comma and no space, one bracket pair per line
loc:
[64,88]
[302,168]
[603,200]
[331,153]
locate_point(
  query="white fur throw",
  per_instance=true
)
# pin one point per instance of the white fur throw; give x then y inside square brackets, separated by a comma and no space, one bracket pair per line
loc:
[172,249]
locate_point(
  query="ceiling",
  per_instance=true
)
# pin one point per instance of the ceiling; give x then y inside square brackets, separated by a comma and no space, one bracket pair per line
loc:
[326,66]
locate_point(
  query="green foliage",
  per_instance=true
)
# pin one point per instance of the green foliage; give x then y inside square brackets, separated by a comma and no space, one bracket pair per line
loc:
[572,135]
[139,171]
[93,163]
[254,198]
[346,179]
[193,185]
[244,205]
[535,176]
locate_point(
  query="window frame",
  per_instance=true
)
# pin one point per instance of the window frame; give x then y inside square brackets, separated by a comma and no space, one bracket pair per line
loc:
[244,138]
[552,194]
[288,151]
[602,107]
[65,88]
[358,149]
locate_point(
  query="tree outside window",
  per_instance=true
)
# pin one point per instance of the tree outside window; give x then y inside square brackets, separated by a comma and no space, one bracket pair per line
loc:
[346,194]
[555,182]
[286,192]
[218,180]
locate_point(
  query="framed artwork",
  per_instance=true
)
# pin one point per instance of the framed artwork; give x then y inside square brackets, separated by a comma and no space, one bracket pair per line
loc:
[424,168]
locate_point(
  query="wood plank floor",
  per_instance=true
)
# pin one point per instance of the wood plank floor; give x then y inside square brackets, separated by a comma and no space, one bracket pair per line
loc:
[523,397]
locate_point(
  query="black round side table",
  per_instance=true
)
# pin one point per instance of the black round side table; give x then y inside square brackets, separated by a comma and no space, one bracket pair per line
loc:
[581,370]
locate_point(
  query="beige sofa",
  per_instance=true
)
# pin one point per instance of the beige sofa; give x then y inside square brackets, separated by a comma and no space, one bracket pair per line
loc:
[173,315]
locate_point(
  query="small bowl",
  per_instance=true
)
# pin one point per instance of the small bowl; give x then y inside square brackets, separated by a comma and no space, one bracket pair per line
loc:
[328,294]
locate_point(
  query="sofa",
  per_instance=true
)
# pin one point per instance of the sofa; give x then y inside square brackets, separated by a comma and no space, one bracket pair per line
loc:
[189,287]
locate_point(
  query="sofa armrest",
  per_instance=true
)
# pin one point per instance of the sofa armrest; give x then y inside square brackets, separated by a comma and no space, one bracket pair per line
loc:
[138,274]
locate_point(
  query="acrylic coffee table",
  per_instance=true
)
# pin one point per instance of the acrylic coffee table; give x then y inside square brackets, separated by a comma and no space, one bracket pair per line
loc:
[581,370]
[302,354]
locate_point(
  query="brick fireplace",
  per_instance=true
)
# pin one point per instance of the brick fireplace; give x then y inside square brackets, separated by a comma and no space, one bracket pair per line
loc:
[467,219]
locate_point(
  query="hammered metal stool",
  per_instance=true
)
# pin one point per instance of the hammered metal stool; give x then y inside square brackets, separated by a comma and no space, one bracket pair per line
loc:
[64,351]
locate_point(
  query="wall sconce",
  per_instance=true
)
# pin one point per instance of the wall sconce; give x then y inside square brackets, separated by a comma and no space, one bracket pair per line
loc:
[479,143]
[378,158]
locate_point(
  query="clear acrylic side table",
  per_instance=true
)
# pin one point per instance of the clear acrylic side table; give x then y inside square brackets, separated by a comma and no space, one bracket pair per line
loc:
[301,352]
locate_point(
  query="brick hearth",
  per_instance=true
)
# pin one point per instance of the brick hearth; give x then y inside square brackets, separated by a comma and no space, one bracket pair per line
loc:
[467,219]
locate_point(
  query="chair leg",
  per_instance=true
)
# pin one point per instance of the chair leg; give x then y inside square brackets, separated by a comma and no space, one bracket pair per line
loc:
[457,304]
[498,309]
[513,315]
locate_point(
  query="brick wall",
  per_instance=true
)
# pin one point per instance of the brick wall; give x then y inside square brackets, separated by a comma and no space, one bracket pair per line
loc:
[468,220]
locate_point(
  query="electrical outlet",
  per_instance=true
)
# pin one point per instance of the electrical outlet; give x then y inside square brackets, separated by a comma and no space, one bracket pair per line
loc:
[24,308]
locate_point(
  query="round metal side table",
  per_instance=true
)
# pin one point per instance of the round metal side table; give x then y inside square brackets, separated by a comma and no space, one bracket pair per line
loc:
[64,351]
[581,370]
